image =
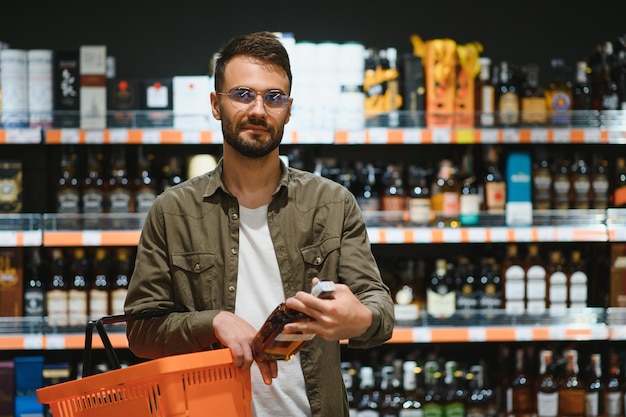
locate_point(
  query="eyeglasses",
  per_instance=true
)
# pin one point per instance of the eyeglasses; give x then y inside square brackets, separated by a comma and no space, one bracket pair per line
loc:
[243,98]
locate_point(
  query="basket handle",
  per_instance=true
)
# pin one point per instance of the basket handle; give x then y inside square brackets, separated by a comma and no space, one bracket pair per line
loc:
[108,347]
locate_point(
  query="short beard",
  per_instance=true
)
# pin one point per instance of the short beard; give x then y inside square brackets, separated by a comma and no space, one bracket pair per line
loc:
[250,149]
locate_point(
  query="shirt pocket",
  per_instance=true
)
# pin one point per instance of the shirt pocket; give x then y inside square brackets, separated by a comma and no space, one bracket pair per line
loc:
[194,279]
[321,259]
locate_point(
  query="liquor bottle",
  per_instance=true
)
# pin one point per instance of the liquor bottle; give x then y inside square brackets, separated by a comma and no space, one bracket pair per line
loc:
[484,96]
[34,291]
[481,400]
[440,295]
[547,386]
[433,406]
[542,181]
[600,183]
[580,183]
[445,195]
[120,279]
[605,95]
[594,386]
[57,302]
[507,97]
[348,374]
[494,183]
[619,183]
[558,93]
[466,287]
[67,188]
[144,189]
[561,186]
[99,290]
[514,277]
[582,96]
[536,287]
[571,388]
[577,281]
[368,196]
[490,288]
[412,403]
[271,343]
[556,282]
[93,183]
[420,212]
[78,288]
[390,401]
[520,392]
[118,196]
[532,98]
[394,195]
[369,396]
[455,396]
[469,199]
[409,298]
[172,173]
[612,397]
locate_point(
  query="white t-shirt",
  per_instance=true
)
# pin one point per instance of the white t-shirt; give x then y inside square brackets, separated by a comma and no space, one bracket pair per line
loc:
[259,291]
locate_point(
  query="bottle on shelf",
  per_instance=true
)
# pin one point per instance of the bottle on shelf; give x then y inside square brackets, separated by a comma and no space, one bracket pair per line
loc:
[78,288]
[619,183]
[368,195]
[561,185]
[118,196]
[490,288]
[390,401]
[577,281]
[68,184]
[122,270]
[93,183]
[536,287]
[532,98]
[507,96]
[571,387]
[271,343]
[469,199]
[433,401]
[100,288]
[600,183]
[514,277]
[455,393]
[348,374]
[594,386]
[542,180]
[612,396]
[484,96]
[547,386]
[494,182]
[57,301]
[144,184]
[582,97]
[420,212]
[558,93]
[409,296]
[481,399]
[445,195]
[172,173]
[605,94]
[466,287]
[440,294]
[580,183]
[520,402]
[412,403]
[369,395]
[394,194]
[34,291]
[557,285]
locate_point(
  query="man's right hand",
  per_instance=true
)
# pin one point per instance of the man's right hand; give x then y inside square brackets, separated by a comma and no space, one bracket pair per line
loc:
[237,334]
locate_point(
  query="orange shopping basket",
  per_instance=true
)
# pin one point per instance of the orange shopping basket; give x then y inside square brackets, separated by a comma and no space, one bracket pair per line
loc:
[197,384]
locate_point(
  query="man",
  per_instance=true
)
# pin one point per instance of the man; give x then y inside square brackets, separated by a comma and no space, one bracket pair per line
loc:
[228,246]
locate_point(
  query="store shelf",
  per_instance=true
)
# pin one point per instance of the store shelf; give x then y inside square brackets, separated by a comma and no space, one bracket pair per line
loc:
[92,229]
[131,136]
[18,230]
[21,136]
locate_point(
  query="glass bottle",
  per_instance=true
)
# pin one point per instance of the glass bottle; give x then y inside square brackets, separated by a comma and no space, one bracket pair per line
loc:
[466,287]
[619,183]
[122,271]
[558,93]
[433,406]
[600,183]
[78,288]
[348,374]
[420,212]
[412,403]
[57,302]
[490,288]
[440,294]
[455,392]
[93,183]
[144,187]
[507,97]
[469,199]
[532,98]
[118,193]
[556,283]
[99,290]
[594,386]
[547,386]
[514,277]
[494,183]
[68,188]
[581,96]
[394,195]
[172,173]
[536,287]
[612,397]
[271,343]
[481,399]
[409,298]
[390,401]
[581,183]
[542,181]
[369,395]
[34,291]
[484,103]
[561,186]
[445,195]
[571,388]
[577,281]
[520,391]
[604,88]
[368,196]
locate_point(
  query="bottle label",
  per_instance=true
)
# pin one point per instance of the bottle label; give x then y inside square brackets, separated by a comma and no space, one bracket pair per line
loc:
[495,195]
[620,196]
[592,404]
[419,211]
[144,200]
[509,109]
[411,413]
[118,297]
[93,201]
[290,337]
[440,305]
[469,207]
[613,403]
[57,306]
[34,300]
[547,404]
[451,204]
[77,307]
[119,201]
[68,201]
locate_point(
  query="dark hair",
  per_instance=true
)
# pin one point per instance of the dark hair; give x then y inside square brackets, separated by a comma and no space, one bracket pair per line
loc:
[264,46]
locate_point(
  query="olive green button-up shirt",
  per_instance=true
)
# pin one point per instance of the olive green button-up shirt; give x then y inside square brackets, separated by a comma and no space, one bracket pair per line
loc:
[187,258]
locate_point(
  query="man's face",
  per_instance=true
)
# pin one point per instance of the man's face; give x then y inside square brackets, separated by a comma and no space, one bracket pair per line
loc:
[253,130]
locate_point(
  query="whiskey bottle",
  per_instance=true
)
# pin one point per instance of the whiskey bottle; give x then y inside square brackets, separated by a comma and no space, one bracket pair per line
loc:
[571,388]
[118,193]
[34,291]
[120,279]
[532,98]
[600,183]
[144,185]
[445,195]
[604,88]
[581,183]
[466,287]
[68,188]
[440,295]
[412,403]
[172,173]
[270,343]
[469,199]
[494,183]
[559,93]
[577,281]
[507,97]
[394,195]
[78,306]
[455,392]
[368,196]
[490,288]
[420,212]
[536,286]
[409,298]
[481,400]
[561,186]
[619,183]
[542,181]
[57,301]
[99,290]
[484,103]
[93,183]
[547,386]
[612,396]
[391,400]
[520,392]
[556,283]
[433,406]
[514,278]
[594,386]
[348,374]
[581,95]
[369,395]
